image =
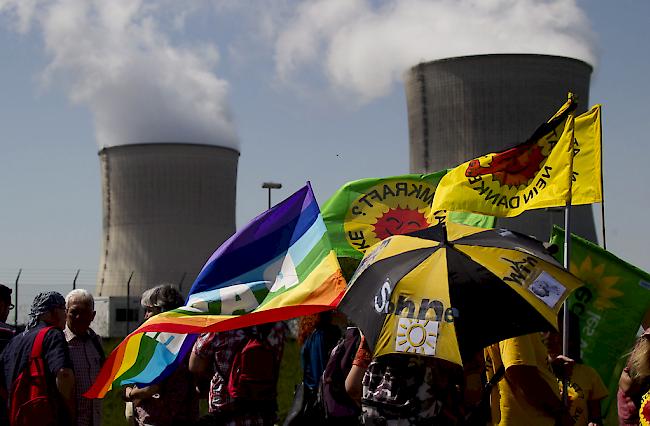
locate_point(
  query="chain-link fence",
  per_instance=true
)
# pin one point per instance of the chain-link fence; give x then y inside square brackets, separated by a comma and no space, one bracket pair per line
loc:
[28,282]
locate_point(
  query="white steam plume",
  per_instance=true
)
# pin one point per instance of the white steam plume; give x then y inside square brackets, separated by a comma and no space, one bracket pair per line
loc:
[116,57]
[365,46]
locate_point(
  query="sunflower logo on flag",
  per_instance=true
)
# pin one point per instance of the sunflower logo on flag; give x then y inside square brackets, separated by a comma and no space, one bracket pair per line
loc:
[598,281]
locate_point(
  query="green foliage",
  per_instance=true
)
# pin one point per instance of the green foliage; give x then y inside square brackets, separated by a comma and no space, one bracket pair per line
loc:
[290,376]
[348,266]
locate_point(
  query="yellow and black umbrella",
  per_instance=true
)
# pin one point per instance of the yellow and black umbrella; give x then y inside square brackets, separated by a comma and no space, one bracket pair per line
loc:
[451,290]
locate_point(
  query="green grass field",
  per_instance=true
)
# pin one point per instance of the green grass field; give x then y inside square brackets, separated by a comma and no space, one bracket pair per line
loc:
[290,375]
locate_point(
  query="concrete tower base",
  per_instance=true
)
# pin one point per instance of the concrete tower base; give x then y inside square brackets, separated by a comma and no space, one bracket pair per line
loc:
[461,108]
[167,207]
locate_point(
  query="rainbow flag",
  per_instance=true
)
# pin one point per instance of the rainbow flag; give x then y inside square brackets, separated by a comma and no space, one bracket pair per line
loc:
[280,266]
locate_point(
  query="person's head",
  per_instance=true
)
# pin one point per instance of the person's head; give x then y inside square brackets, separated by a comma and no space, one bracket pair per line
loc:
[48,307]
[5,302]
[161,298]
[80,307]
[553,339]
[640,359]
[309,323]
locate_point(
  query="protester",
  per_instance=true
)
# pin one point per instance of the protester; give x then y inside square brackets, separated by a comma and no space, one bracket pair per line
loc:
[317,336]
[477,391]
[528,392]
[634,382]
[6,331]
[48,309]
[338,407]
[252,353]
[86,353]
[586,388]
[401,390]
[174,400]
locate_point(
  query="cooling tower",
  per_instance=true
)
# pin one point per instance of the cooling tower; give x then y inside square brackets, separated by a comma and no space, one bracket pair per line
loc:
[166,208]
[464,107]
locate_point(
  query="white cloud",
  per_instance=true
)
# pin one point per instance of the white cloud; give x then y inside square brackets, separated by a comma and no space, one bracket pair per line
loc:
[364,47]
[116,57]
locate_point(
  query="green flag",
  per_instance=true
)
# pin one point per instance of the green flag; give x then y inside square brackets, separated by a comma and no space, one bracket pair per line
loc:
[364,212]
[611,305]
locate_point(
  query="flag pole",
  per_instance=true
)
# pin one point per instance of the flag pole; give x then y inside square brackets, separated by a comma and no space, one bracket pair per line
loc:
[565,315]
[602,182]
[567,265]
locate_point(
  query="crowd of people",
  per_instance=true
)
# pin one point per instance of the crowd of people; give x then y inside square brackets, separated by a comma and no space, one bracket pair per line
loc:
[518,381]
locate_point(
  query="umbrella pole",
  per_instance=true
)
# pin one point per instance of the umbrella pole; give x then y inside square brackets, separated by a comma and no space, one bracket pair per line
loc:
[565,316]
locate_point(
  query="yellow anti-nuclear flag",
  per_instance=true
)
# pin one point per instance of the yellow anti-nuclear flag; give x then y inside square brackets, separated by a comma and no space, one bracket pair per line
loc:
[532,175]
[587,172]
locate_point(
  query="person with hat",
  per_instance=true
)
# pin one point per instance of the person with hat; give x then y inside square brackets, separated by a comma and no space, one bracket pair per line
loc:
[6,331]
[48,309]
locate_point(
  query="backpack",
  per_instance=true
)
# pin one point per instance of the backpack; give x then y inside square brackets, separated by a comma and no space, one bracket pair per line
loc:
[336,404]
[306,408]
[253,375]
[30,401]
[425,390]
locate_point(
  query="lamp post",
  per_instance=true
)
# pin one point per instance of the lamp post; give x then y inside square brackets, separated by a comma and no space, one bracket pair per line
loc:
[270,186]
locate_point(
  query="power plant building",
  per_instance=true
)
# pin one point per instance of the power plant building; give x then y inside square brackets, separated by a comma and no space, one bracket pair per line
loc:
[166,208]
[461,108]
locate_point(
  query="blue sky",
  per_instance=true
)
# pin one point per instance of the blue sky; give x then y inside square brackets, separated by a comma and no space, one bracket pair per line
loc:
[299,105]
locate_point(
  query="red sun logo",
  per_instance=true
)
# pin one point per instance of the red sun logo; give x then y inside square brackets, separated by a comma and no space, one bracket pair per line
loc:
[399,221]
[514,167]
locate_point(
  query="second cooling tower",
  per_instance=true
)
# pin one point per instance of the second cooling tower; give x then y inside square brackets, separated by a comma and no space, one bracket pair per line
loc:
[464,107]
[167,207]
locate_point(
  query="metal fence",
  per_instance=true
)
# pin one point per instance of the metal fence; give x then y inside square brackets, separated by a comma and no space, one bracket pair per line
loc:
[27,283]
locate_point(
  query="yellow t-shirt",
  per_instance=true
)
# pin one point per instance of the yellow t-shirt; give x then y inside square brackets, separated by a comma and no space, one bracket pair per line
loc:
[509,408]
[584,385]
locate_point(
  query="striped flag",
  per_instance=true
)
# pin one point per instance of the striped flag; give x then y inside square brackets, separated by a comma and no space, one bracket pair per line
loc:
[280,266]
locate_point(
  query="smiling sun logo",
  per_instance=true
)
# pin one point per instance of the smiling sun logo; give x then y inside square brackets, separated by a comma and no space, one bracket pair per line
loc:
[644,411]
[399,221]
[601,285]
[390,208]
[515,167]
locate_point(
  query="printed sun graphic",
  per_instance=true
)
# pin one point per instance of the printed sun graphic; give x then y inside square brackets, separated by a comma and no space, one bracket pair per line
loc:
[397,221]
[514,167]
[574,394]
[602,286]
[416,336]
[644,411]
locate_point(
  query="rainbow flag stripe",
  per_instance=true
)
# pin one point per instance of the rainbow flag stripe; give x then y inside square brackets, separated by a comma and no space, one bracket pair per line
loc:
[280,266]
